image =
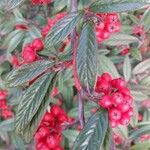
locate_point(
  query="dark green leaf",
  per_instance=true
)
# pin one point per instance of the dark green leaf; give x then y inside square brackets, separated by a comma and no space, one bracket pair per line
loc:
[142,67]
[31,101]
[106,65]
[17,142]
[145,145]
[127,68]
[145,21]
[93,134]
[7,125]
[120,39]
[28,133]
[107,6]
[140,131]
[86,59]
[136,54]
[27,72]
[11,4]
[62,29]
[108,139]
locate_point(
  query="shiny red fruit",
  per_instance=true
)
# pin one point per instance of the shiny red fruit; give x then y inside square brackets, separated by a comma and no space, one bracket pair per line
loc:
[55,110]
[125,119]
[51,142]
[37,44]
[114,114]
[105,101]
[117,98]
[123,107]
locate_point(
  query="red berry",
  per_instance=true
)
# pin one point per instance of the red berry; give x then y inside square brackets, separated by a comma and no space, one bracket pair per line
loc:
[123,107]
[48,118]
[117,98]
[51,142]
[114,114]
[130,112]
[128,100]
[29,56]
[59,148]
[125,119]
[43,132]
[37,44]
[117,139]
[125,91]
[105,101]
[112,18]
[118,83]
[55,110]
[42,146]
[106,76]
[62,118]
[113,123]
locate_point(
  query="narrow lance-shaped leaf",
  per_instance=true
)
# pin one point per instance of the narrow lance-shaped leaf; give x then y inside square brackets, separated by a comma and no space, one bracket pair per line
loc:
[86,59]
[127,68]
[93,134]
[62,29]
[11,4]
[27,72]
[31,100]
[107,6]
[106,65]
[28,133]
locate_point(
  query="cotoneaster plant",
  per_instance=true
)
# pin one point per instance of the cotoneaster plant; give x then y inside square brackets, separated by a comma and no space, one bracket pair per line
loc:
[72,75]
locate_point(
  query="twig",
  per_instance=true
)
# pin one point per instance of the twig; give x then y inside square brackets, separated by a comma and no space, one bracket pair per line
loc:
[81,109]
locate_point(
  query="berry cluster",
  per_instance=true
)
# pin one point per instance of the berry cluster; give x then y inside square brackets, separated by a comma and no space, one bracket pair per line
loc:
[51,23]
[39,2]
[107,24]
[29,51]
[48,135]
[5,110]
[116,97]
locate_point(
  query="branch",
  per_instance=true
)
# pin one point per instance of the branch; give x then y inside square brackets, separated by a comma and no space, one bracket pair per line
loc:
[81,109]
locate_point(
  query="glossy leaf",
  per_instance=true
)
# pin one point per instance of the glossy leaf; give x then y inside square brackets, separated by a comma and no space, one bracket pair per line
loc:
[106,65]
[93,134]
[142,67]
[62,29]
[86,59]
[145,21]
[136,54]
[106,6]
[31,100]
[127,68]
[120,39]
[27,72]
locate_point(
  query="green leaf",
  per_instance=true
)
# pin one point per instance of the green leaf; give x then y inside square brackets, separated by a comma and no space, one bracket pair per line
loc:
[93,134]
[11,4]
[134,118]
[108,139]
[140,131]
[34,32]
[71,135]
[62,29]
[86,59]
[127,68]
[135,52]
[28,133]
[120,39]
[17,142]
[138,95]
[7,125]
[15,41]
[142,67]
[145,145]
[107,6]
[27,72]
[145,81]
[106,65]
[145,21]
[31,101]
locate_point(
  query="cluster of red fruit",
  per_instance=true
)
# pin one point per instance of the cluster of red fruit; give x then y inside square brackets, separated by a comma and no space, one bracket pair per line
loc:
[51,22]
[49,133]
[29,51]
[5,110]
[107,24]
[116,97]
[39,2]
